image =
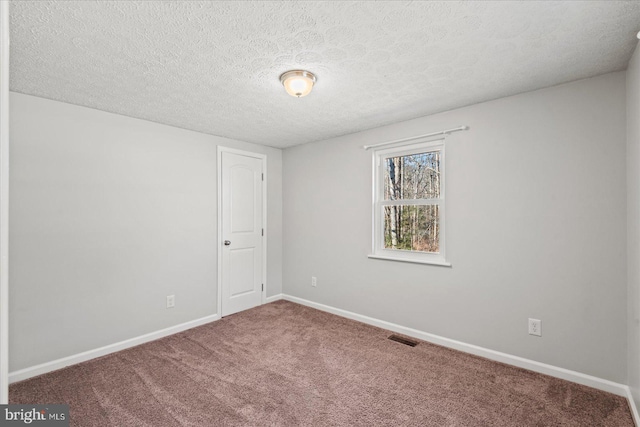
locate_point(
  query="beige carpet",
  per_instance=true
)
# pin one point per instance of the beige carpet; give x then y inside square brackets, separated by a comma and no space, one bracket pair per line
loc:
[283,364]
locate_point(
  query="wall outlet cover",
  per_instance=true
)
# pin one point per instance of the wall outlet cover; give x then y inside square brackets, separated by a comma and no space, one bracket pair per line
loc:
[171,301]
[535,327]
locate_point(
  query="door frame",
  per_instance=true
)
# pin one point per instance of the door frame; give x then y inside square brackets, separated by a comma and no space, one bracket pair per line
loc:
[219,237]
[4,202]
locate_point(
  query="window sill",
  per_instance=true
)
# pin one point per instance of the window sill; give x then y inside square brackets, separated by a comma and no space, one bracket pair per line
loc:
[441,263]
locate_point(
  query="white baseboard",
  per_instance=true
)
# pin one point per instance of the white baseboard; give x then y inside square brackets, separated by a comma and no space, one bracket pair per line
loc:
[54,365]
[273,298]
[633,407]
[532,365]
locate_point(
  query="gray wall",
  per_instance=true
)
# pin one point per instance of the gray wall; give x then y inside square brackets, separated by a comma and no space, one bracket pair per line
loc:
[109,215]
[536,222]
[633,221]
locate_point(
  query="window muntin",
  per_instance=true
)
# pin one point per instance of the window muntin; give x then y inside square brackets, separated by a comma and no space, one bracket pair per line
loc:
[409,203]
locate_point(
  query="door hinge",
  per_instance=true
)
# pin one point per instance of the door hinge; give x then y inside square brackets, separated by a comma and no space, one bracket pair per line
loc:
[263,177]
[263,287]
[263,231]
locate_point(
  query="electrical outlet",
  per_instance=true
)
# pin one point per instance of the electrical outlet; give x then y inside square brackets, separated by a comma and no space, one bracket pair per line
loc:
[314,281]
[535,327]
[171,301]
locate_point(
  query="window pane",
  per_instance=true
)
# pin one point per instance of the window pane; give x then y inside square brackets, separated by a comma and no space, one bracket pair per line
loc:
[416,176]
[412,228]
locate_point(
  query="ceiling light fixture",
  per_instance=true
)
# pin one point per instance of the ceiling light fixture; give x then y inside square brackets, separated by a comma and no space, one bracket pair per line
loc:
[298,83]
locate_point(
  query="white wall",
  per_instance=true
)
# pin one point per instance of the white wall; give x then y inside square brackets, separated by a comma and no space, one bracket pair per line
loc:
[536,222]
[633,222]
[109,215]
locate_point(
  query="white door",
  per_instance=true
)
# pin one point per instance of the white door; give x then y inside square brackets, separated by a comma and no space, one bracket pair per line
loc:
[242,232]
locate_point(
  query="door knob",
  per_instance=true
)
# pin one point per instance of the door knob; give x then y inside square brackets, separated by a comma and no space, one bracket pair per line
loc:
[227,242]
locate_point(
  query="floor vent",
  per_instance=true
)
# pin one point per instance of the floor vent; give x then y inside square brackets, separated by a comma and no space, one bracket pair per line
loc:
[402,340]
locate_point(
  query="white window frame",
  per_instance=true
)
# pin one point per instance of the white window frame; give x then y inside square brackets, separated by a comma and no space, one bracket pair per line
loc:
[378,249]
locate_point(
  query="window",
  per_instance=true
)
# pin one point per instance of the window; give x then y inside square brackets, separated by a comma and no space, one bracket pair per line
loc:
[408,205]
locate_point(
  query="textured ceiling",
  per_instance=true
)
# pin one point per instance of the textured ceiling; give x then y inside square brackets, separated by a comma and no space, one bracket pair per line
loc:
[213,67]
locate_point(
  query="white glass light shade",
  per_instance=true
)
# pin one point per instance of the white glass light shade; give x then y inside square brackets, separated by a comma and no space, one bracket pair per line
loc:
[298,82]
